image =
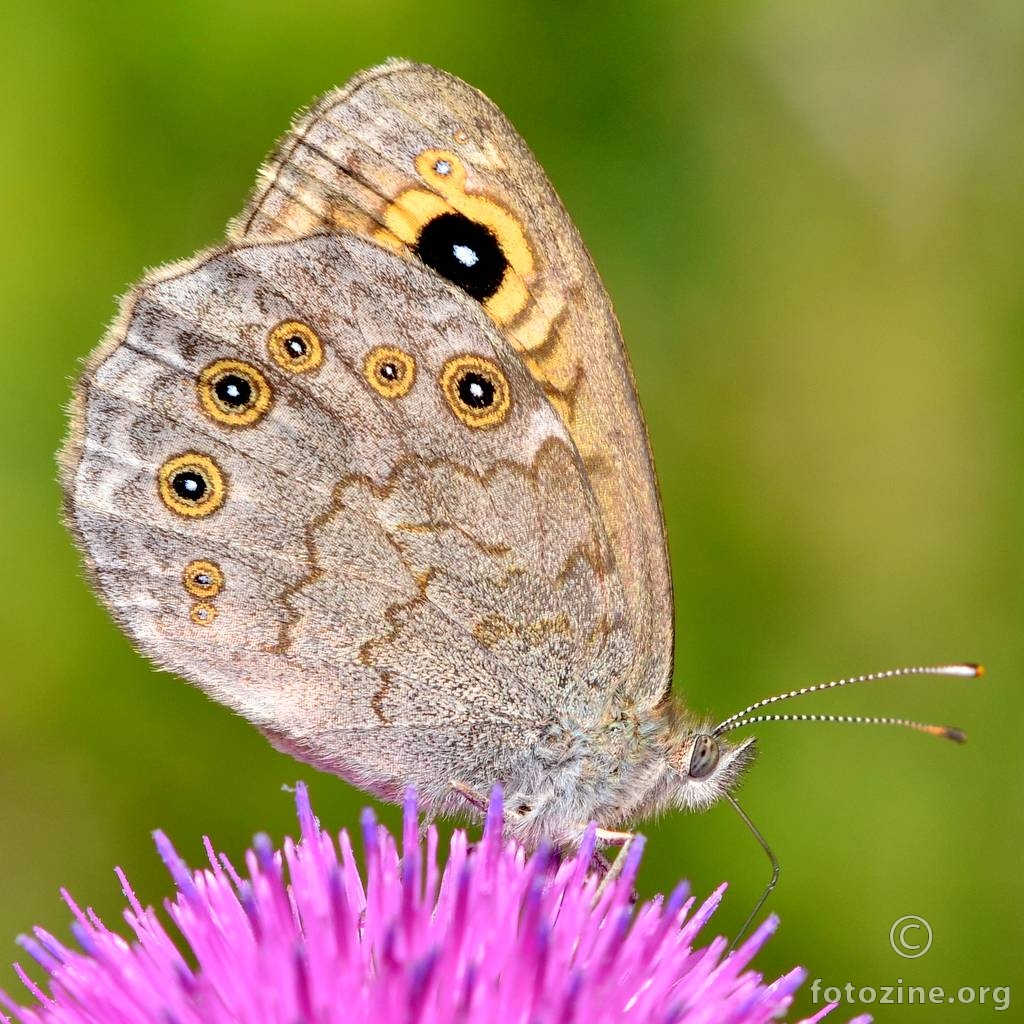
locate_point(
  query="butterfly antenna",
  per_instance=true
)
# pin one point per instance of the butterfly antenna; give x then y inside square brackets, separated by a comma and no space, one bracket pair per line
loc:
[746,716]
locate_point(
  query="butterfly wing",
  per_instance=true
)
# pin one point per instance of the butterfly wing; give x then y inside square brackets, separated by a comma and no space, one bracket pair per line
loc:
[430,168]
[312,478]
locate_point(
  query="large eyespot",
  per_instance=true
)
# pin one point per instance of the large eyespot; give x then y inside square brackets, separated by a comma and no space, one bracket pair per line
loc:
[389,371]
[295,347]
[476,390]
[202,578]
[202,613]
[704,758]
[465,252]
[191,485]
[472,239]
[234,393]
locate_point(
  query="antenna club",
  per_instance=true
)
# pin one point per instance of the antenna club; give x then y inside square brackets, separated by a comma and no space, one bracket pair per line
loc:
[956,735]
[967,669]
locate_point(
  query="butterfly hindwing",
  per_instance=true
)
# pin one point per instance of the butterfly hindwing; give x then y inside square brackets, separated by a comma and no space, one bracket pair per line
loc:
[313,479]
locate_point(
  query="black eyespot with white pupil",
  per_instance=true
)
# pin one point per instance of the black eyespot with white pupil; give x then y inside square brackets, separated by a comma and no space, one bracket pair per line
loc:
[191,484]
[234,393]
[188,485]
[476,391]
[464,252]
[295,346]
[390,372]
[233,390]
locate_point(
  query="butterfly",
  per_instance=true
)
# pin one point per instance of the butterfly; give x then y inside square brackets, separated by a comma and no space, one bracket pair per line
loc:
[374,475]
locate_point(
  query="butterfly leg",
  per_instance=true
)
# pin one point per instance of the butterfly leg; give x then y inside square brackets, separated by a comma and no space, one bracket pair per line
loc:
[427,821]
[612,838]
[611,871]
[470,795]
[477,800]
[481,803]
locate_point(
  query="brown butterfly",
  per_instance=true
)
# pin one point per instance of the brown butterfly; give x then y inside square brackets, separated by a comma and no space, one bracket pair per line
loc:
[374,475]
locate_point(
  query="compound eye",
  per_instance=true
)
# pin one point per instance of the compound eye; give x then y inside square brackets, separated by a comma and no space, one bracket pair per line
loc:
[704,758]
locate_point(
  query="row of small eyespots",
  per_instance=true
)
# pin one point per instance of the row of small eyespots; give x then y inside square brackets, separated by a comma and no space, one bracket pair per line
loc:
[235,393]
[203,579]
[476,390]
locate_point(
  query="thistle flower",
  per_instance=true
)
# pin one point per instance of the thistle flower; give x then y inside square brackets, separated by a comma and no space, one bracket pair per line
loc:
[495,936]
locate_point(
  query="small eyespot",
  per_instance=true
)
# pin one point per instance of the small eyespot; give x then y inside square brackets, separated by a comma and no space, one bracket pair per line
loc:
[191,485]
[442,169]
[202,613]
[389,371]
[202,578]
[476,390]
[465,252]
[295,347]
[234,393]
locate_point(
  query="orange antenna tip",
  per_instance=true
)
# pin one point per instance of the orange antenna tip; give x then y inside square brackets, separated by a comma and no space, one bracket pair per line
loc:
[947,732]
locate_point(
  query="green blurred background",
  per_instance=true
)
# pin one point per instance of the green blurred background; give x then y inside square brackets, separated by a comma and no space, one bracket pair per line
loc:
[809,219]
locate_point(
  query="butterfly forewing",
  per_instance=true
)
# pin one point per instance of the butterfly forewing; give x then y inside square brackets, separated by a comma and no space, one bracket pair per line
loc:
[431,169]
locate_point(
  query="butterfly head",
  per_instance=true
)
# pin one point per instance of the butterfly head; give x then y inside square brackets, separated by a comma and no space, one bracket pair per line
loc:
[707,767]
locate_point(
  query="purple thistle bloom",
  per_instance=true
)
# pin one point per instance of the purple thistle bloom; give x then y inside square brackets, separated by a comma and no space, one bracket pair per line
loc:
[495,936]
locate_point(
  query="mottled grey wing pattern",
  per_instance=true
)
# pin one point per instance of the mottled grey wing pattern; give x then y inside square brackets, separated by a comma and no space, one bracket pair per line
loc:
[404,148]
[394,578]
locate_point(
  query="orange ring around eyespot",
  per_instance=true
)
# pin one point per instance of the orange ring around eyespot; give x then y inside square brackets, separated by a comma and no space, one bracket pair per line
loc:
[202,613]
[442,168]
[207,470]
[452,375]
[376,363]
[287,360]
[200,568]
[219,411]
